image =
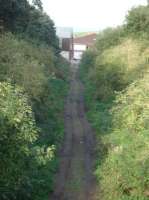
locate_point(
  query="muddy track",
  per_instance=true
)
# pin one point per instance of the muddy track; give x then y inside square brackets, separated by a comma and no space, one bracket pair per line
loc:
[75,180]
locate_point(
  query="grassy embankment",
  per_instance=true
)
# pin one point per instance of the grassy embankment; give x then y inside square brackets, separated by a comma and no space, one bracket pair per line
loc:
[33,86]
[116,73]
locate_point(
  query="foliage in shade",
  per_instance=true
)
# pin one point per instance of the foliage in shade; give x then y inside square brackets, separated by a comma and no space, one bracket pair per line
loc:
[28,21]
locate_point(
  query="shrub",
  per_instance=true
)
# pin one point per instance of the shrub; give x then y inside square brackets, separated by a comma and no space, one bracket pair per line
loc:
[33,85]
[25,64]
[137,22]
[18,133]
[127,159]
[119,66]
[117,99]
[43,78]
[109,37]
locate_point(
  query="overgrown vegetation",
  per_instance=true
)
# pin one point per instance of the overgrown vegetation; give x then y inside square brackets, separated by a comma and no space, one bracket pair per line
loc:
[33,85]
[116,74]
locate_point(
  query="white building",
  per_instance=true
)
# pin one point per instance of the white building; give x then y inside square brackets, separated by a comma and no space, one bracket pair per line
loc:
[78,51]
[81,44]
[65,35]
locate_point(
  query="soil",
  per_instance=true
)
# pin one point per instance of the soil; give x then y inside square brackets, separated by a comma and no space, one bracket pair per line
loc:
[75,179]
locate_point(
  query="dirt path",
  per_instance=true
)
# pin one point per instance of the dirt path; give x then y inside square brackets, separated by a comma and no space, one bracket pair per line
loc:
[75,180]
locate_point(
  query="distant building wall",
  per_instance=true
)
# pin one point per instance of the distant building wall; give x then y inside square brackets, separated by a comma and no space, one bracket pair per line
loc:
[87,40]
[79,47]
[81,44]
[65,41]
[78,51]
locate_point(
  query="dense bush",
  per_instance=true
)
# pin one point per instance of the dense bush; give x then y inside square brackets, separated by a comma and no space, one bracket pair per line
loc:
[21,158]
[26,162]
[18,133]
[128,158]
[137,22]
[109,37]
[23,64]
[33,85]
[117,97]
[118,66]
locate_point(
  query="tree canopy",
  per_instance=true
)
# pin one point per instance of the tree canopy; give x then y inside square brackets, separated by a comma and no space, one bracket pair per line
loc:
[18,16]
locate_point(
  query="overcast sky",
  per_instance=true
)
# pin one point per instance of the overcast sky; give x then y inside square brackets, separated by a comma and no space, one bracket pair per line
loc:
[87,15]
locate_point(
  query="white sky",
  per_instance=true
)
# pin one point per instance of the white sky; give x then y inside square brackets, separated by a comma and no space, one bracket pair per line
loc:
[87,15]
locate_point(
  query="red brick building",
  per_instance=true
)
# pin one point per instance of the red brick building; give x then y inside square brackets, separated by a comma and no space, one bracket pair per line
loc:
[87,40]
[82,43]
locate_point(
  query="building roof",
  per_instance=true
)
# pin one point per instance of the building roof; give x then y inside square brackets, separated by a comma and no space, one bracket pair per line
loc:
[88,40]
[64,32]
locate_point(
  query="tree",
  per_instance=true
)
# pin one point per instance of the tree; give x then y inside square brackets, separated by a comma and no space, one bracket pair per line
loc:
[14,14]
[38,3]
[18,16]
[18,133]
[137,21]
[41,28]
[109,37]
